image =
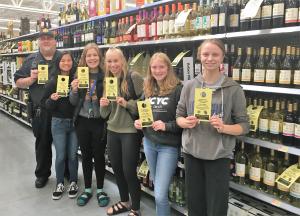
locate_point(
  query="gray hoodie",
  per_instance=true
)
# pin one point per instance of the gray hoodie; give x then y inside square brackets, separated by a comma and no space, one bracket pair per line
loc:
[203,141]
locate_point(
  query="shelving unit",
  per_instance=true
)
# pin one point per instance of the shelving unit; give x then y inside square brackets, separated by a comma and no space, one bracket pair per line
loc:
[17,118]
[265,197]
[270,89]
[15,100]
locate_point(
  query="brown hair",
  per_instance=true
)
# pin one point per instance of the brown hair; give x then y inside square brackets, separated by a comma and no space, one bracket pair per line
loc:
[216,42]
[82,61]
[169,83]
[119,52]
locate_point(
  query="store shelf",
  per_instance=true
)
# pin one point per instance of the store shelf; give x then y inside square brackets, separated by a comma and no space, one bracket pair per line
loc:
[264,32]
[16,100]
[19,53]
[270,145]
[270,89]
[265,197]
[19,119]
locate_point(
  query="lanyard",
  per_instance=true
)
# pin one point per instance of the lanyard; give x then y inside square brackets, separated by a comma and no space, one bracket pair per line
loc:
[90,111]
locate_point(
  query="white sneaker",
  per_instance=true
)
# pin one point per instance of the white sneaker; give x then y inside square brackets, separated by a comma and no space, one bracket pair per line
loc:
[57,194]
[73,190]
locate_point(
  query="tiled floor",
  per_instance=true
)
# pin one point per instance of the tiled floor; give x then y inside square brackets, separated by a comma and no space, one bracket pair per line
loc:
[18,195]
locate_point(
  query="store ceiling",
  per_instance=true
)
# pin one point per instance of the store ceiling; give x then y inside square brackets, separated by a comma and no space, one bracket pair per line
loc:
[33,9]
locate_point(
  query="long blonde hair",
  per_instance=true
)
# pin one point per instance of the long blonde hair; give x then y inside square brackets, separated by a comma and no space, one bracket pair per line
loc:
[82,61]
[169,83]
[124,84]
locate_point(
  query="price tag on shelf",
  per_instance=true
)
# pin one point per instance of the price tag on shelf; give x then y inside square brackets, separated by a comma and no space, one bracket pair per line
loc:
[283,148]
[276,202]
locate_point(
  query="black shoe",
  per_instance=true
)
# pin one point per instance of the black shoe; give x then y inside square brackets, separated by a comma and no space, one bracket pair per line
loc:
[41,182]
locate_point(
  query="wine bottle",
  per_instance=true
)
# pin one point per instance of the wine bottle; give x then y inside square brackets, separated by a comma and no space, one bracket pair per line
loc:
[206,18]
[256,169]
[266,14]
[288,126]
[178,28]
[283,192]
[237,67]
[247,69]
[234,19]
[244,22]
[295,190]
[194,20]
[286,72]
[241,161]
[214,17]
[180,192]
[224,17]
[264,121]
[260,68]
[270,173]
[200,17]
[154,24]
[160,23]
[297,125]
[255,21]
[291,13]
[172,21]
[253,132]
[278,13]
[186,30]
[166,19]
[275,122]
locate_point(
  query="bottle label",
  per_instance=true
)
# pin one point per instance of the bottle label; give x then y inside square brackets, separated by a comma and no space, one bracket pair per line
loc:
[297,131]
[206,22]
[171,26]
[263,125]
[222,19]
[266,11]
[166,27]
[255,173]
[295,190]
[234,20]
[258,15]
[278,10]
[291,15]
[214,20]
[288,129]
[193,25]
[240,169]
[259,75]
[242,18]
[153,29]
[297,76]
[199,23]
[270,76]
[246,75]
[269,178]
[274,127]
[285,76]
[236,74]
[160,28]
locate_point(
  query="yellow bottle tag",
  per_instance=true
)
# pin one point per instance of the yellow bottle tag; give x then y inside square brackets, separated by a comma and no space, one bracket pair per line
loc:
[289,176]
[202,104]
[42,74]
[111,88]
[253,113]
[135,59]
[143,170]
[145,112]
[83,77]
[62,87]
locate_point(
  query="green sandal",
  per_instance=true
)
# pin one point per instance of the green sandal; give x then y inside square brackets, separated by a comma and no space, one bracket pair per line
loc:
[103,199]
[84,198]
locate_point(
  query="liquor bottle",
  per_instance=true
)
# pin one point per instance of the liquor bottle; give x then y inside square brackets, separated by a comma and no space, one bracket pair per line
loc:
[255,21]
[206,18]
[241,161]
[154,24]
[224,16]
[264,121]
[160,23]
[256,169]
[278,13]
[288,126]
[172,22]
[180,192]
[297,125]
[193,19]
[270,174]
[266,14]
[295,189]
[234,19]
[214,17]
[237,67]
[283,192]
[247,69]
[244,22]
[275,122]
[291,13]
[260,68]
[286,72]
[166,19]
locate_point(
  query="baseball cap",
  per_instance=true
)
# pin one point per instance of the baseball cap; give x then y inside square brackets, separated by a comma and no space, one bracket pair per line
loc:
[46,32]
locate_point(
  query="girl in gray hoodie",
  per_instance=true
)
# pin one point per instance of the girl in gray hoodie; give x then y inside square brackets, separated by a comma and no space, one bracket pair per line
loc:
[208,145]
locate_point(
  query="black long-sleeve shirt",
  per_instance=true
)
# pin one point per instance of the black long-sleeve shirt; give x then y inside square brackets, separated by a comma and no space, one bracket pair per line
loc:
[164,109]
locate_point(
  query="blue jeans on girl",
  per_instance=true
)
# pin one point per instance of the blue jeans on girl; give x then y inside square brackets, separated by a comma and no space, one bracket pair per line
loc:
[162,162]
[65,142]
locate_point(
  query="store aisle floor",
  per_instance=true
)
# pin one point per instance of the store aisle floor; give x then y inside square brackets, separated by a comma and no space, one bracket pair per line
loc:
[18,195]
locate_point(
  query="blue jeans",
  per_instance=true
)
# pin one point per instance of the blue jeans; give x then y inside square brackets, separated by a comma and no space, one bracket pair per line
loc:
[65,142]
[162,161]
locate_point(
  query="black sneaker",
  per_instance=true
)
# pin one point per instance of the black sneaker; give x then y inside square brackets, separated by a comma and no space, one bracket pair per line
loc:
[57,194]
[73,190]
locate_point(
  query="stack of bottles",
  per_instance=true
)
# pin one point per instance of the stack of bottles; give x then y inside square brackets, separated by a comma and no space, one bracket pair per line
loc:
[43,23]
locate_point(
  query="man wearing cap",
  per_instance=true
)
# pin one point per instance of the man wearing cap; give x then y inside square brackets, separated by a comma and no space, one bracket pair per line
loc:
[27,77]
